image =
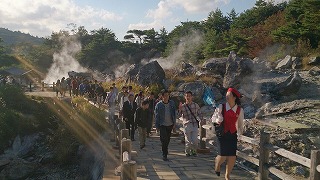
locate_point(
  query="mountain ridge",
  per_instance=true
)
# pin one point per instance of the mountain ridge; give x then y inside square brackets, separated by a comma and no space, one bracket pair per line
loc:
[10,37]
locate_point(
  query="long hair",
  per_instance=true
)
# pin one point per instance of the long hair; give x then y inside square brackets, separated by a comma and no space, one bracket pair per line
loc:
[238,102]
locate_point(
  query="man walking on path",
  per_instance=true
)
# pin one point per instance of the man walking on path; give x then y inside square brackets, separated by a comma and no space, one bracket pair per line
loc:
[165,117]
[190,113]
[129,108]
[151,113]
[141,120]
[111,102]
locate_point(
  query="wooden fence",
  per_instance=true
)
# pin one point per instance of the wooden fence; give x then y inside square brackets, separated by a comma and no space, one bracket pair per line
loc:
[263,162]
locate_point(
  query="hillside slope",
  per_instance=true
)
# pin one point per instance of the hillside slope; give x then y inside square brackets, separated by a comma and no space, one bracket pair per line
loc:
[15,37]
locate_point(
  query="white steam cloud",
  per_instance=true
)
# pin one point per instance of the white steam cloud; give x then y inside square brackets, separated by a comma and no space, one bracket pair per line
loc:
[187,43]
[64,61]
[121,70]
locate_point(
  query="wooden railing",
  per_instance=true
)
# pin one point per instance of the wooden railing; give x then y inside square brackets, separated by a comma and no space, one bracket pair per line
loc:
[263,162]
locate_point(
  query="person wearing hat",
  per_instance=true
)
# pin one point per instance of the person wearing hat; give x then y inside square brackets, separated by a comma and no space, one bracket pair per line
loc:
[231,116]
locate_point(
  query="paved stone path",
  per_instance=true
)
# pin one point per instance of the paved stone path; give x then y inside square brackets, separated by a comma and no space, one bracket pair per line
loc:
[151,166]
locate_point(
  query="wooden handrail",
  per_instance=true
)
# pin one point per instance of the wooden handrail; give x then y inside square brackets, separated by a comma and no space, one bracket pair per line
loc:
[290,155]
[248,158]
[280,174]
[249,140]
[312,163]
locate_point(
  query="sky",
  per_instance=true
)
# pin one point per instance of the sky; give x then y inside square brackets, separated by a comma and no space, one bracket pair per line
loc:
[42,17]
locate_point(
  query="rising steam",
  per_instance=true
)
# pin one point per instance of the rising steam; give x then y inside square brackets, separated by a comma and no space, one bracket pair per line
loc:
[64,61]
[186,43]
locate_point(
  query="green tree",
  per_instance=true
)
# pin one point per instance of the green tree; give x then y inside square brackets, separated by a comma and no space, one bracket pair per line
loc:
[138,35]
[217,21]
[232,16]
[260,12]
[102,50]
[303,23]
[162,39]
[2,48]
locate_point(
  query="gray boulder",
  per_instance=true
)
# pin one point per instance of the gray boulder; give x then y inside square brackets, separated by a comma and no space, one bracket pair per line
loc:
[261,64]
[285,63]
[186,69]
[249,111]
[217,94]
[289,86]
[196,88]
[236,71]
[151,73]
[314,71]
[296,63]
[215,66]
[132,72]
[314,61]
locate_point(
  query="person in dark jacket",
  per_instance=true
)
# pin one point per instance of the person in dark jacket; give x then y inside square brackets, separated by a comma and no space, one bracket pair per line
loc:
[165,117]
[151,113]
[141,120]
[129,108]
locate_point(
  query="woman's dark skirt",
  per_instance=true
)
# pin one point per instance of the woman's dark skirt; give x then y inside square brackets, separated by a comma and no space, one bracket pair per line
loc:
[227,144]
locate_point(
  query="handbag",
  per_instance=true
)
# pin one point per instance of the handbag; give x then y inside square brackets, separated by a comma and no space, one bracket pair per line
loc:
[219,128]
[193,115]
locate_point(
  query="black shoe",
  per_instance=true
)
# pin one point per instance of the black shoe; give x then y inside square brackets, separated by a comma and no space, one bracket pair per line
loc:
[165,158]
[187,154]
[217,173]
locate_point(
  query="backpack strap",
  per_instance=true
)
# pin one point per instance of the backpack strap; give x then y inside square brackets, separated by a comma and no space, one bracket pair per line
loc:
[223,112]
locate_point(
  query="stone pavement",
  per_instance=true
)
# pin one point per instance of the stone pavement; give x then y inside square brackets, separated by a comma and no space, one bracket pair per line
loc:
[151,166]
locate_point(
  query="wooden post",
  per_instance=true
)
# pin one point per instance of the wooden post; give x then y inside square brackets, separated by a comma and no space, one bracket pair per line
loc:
[122,125]
[115,118]
[129,170]
[264,156]
[202,145]
[117,134]
[54,86]
[124,133]
[315,161]
[42,86]
[202,135]
[30,89]
[125,146]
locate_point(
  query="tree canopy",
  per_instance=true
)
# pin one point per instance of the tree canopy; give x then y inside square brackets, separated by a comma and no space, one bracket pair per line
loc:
[295,23]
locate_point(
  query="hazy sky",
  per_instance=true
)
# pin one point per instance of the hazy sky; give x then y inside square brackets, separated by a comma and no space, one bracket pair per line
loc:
[42,17]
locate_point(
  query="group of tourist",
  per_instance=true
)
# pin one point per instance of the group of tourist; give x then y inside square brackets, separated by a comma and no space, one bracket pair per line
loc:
[140,112]
[79,86]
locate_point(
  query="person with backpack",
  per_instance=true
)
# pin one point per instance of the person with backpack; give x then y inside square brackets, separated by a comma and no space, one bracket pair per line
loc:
[191,117]
[230,116]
